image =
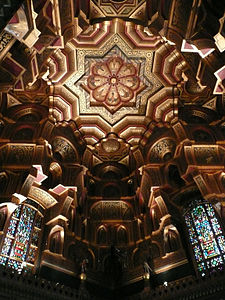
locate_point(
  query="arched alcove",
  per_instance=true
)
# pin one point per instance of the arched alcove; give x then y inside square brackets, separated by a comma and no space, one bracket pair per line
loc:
[56,239]
[171,239]
[101,235]
[122,236]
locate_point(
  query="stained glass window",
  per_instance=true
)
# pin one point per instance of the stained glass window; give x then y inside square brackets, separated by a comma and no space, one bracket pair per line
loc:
[206,236]
[19,249]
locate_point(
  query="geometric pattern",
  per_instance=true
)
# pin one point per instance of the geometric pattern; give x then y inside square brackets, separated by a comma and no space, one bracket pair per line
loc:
[113,83]
[82,82]
[118,8]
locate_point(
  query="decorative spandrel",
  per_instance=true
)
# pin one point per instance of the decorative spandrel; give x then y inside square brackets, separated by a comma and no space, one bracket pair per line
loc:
[206,236]
[19,248]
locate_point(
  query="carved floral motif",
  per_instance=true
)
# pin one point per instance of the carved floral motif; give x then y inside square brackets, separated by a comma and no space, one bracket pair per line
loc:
[113,83]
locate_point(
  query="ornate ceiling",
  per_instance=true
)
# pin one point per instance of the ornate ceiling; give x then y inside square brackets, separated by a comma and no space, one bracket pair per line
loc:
[109,75]
[96,80]
[122,104]
[102,81]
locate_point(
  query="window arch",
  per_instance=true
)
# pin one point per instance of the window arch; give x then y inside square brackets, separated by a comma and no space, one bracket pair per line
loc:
[206,236]
[171,239]
[122,237]
[102,235]
[20,246]
[56,238]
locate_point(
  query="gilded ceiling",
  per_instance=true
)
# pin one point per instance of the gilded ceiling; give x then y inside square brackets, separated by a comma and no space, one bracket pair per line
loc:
[114,68]
[113,109]
[115,76]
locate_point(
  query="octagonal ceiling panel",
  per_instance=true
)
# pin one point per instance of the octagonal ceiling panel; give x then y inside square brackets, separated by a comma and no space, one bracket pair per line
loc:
[113,82]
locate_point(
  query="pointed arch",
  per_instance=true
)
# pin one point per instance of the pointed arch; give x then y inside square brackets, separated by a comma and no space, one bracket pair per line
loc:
[56,239]
[171,239]
[122,236]
[102,235]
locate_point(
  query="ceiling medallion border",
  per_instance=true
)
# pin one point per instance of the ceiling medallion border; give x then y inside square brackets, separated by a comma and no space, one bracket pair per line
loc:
[84,56]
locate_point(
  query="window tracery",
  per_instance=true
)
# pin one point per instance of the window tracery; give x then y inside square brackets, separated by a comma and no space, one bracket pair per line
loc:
[20,246]
[206,236]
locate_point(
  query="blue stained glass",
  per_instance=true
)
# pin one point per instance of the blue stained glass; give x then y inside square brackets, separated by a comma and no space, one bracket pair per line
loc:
[197,252]
[216,226]
[214,262]
[16,212]
[20,247]
[3,260]
[197,211]
[19,250]
[16,265]
[221,242]
[204,231]
[6,246]
[201,266]
[209,210]
[21,229]
[192,235]
[210,249]
[205,235]
[12,227]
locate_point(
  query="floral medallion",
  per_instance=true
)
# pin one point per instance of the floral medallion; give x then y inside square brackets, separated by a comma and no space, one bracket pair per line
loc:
[113,83]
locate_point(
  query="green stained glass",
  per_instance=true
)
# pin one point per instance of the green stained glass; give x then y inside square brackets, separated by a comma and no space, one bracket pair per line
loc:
[214,262]
[209,210]
[12,227]
[17,211]
[193,236]
[197,252]
[17,249]
[6,246]
[16,265]
[201,266]
[216,226]
[3,260]
[206,236]
[221,242]
[210,249]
